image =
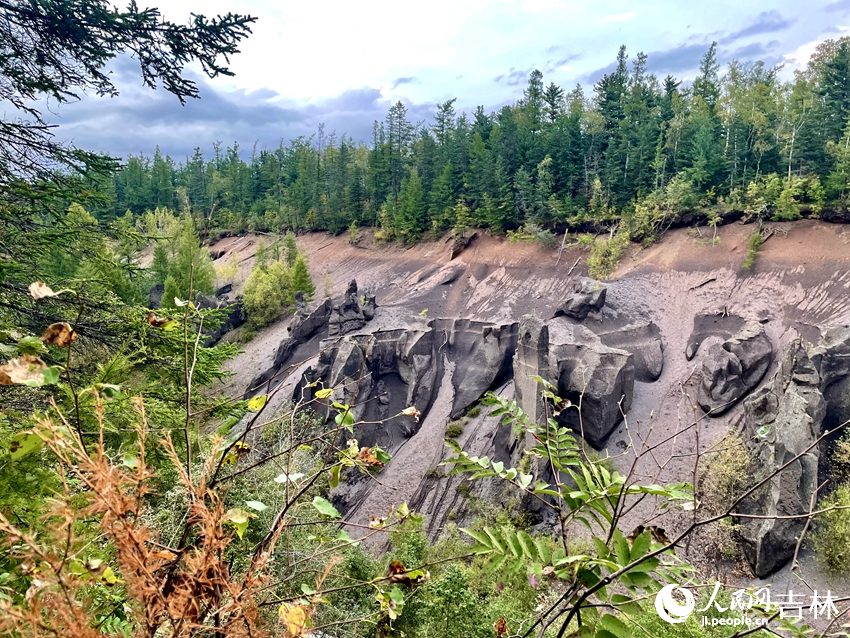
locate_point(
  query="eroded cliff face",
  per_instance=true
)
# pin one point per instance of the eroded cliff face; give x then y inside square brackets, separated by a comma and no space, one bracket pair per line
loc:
[682,341]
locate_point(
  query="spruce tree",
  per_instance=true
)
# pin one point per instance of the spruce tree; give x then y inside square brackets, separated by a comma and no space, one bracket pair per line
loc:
[191,271]
[410,219]
[291,249]
[301,279]
[261,255]
[159,267]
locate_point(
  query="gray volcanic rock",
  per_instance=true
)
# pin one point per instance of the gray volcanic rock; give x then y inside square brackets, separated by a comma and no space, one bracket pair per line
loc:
[369,307]
[531,359]
[300,304]
[832,358]
[832,355]
[733,368]
[384,372]
[718,323]
[601,378]
[481,352]
[348,315]
[644,341]
[307,323]
[235,315]
[782,419]
[588,295]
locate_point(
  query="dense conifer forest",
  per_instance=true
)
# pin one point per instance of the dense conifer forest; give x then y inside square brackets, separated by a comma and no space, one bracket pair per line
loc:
[738,137]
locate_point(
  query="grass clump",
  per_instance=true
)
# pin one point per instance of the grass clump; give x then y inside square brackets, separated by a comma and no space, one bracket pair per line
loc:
[831,535]
[454,429]
[726,475]
[474,411]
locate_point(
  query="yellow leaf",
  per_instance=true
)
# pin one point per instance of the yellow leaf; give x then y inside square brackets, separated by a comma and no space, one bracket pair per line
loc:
[294,619]
[326,393]
[256,404]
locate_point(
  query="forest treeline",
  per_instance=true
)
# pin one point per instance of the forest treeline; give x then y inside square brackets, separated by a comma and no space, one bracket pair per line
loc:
[738,138]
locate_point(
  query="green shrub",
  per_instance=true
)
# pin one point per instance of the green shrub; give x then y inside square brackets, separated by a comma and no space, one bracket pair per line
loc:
[839,460]
[586,240]
[454,429]
[262,297]
[831,535]
[726,475]
[605,255]
[532,232]
[787,204]
[754,244]
[474,411]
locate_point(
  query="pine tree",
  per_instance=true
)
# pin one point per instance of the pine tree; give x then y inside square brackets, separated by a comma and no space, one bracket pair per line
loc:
[553,96]
[291,249]
[159,267]
[191,271]
[410,217]
[301,279]
[442,193]
[261,255]
[462,218]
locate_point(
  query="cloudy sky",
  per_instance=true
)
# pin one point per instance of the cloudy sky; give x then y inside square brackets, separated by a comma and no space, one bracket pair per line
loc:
[342,63]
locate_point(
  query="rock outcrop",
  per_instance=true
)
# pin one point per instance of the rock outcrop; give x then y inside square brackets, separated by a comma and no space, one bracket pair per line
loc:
[481,353]
[306,325]
[644,341]
[783,419]
[531,360]
[588,295]
[348,316]
[732,368]
[155,296]
[715,323]
[588,372]
[832,357]
[383,373]
[233,318]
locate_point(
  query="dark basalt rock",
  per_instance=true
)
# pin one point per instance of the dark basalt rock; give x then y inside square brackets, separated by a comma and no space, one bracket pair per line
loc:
[394,367]
[348,315]
[588,295]
[836,216]
[155,296]
[369,307]
[601,378]
[225,289]
[531,360]
[481,352]
[718,323]
[733,368]
[644,341]
[459,244]
[234,317]
[300,304]
[832,358]
[782,419]
[306,325]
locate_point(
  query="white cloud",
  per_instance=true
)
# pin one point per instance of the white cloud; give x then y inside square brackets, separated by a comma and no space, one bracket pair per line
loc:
[628,16]
[799,57]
